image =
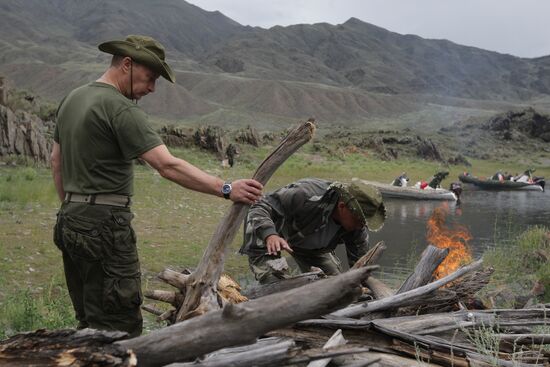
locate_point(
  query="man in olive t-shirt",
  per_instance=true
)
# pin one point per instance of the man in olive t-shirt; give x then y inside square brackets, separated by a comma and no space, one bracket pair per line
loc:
[99,133]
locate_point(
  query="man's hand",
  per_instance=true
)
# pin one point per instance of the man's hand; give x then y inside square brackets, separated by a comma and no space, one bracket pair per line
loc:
[246,191]
[275,244]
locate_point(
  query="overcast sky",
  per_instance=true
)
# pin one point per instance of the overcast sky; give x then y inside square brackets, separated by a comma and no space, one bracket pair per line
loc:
[517,27]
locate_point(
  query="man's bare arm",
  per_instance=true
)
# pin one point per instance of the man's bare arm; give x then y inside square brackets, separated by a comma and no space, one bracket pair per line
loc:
[56,163]
[185,174]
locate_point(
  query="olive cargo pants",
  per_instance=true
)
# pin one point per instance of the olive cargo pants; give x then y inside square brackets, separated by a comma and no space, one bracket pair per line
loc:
[101,266]
[327,261]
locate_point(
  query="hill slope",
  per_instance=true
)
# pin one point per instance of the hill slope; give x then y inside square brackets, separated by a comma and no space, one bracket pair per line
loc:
[352,73]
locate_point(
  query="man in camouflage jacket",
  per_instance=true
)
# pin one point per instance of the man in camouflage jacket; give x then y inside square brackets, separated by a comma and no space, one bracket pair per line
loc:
[308,219]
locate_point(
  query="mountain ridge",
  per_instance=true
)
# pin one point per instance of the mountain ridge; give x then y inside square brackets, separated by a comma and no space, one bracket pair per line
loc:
[374,71]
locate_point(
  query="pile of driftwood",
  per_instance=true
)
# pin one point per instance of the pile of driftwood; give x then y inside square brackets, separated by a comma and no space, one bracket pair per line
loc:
[352,319]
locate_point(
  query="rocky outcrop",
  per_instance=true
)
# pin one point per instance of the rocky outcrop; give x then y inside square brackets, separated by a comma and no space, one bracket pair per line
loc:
[211,138]
[230,64]
[459,160]
[174,136]
[514,125]
[24,134]
[427,149]
[248,135]
[3,91]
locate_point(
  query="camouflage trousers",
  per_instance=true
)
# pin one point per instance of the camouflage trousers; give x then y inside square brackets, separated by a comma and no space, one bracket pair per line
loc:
[328,262]
[101,266]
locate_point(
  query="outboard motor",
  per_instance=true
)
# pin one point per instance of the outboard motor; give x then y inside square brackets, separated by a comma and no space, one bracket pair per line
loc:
[456,187]
[539,181]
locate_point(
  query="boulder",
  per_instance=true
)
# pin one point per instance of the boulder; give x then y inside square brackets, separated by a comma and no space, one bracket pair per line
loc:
[211,138]
[514,125]
[174,136]
[427,149]
[248,135]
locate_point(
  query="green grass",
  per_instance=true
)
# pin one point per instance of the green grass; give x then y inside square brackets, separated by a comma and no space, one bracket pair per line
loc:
[518,266]
[173,224]
[29,309]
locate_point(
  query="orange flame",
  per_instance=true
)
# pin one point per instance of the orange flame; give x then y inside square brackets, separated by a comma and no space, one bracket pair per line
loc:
[455,239]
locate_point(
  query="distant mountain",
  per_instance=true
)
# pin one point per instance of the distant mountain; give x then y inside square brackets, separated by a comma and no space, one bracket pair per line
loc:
[349,74]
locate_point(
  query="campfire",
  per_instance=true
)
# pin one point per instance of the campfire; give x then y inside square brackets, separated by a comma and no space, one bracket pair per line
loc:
[455,239]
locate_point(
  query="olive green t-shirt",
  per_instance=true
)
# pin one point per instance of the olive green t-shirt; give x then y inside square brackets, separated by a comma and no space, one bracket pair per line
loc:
[100,133]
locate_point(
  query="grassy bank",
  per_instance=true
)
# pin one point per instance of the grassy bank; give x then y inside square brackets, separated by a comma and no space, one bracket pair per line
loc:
[522,271]
[173,225]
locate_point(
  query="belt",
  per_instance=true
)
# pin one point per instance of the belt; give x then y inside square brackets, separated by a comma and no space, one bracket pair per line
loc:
[99,199]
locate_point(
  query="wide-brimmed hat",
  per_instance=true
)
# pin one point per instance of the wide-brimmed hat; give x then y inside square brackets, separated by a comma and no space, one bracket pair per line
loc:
[144,50]
[364,201]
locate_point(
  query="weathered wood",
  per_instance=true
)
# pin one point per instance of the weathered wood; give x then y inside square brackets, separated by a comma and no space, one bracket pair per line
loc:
[152,310]
[413,330]
[336,323]
[244,322]
[423,356]
[378,359]
[201,294]
[174,278]
[379,289]
[438,323]
[336,339]
[423,273]
[262,353]
[455,294]
[371,256]
[480,360]
[163,296]
[528,339]
[301,279]
[66,348]
[282,285]
[364,363]
[403,299]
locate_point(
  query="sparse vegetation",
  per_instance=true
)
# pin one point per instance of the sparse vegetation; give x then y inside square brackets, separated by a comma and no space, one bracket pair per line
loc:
[522,270]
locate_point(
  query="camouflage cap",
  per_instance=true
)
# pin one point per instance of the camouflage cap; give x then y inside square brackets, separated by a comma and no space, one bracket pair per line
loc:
[363,200]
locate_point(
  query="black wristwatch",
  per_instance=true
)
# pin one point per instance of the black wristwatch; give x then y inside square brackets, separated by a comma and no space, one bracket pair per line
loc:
[226,190]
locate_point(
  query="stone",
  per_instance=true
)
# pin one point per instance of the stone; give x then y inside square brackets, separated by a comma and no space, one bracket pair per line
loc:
[25,134]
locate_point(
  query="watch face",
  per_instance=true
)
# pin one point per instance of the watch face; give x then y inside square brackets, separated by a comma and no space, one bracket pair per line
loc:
[226,189]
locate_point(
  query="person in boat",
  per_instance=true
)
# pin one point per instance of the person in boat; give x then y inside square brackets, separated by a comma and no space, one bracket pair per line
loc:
[498,176]
[508,176]
[526,177]
[435,182]
[401,181]
[308,219]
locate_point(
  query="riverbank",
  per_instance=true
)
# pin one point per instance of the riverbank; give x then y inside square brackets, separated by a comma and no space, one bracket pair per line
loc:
[173,225]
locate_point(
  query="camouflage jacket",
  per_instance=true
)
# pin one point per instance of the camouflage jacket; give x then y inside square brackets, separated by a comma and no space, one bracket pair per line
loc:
[295,212]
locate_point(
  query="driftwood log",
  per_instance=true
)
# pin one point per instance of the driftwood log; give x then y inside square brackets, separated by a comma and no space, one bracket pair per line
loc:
[198,291]
[403,299]
[261,290]
[66,348]
[266,352]
[299,280]
[335,340]
[201,286]
[423,273]
[243,323]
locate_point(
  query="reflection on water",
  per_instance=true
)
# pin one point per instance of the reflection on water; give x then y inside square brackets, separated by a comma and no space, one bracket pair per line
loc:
[490,216]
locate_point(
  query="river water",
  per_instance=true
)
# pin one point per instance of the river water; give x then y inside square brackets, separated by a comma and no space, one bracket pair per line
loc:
[491,217]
